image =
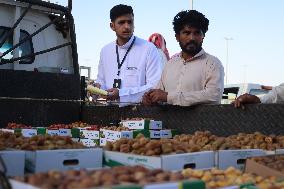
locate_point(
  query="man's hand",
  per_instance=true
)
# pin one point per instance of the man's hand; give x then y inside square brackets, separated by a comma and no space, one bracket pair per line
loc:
[245,99]
[95,96]
[113,94]
[158,95]
[97,85]
[146,100]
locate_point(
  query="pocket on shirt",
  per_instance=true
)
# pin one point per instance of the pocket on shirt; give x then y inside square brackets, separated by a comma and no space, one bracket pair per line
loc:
[131,78]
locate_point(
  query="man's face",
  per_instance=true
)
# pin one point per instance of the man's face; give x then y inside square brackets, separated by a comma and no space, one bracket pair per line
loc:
[190,40]
[123,26]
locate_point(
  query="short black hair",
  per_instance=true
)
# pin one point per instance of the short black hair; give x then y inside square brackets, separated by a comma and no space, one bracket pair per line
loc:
[190,18]
[120,10]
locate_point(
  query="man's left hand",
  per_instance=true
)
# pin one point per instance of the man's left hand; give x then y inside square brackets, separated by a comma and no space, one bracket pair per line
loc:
[158,95]
[113,94]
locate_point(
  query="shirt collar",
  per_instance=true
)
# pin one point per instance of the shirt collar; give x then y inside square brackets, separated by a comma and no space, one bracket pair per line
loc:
[202,52]
[126,45]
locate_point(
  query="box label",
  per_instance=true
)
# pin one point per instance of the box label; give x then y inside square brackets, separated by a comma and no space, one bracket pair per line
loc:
[29,132]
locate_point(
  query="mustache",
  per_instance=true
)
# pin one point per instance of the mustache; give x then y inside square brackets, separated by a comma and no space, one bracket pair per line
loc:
[191,43]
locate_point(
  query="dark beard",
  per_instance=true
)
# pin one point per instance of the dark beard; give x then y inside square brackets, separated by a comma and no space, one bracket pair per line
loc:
[191,48]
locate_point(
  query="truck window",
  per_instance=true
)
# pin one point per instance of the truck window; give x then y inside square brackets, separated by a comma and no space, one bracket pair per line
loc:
[25,49]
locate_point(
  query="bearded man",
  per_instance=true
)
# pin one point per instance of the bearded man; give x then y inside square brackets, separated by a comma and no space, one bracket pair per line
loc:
[191,76]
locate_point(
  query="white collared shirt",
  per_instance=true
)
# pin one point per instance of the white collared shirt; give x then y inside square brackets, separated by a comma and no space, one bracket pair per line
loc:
[276,95]
[140,71]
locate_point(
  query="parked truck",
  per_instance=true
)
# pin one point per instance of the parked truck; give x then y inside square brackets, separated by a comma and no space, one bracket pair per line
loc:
[39,72]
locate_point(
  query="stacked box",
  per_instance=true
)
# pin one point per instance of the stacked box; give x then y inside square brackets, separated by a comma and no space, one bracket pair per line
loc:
[64,159]
[53,132]
[111,136]
[265,170]
[196,160]
[89,138]
[142,124]
[236,158]
[188,184]
[14,162]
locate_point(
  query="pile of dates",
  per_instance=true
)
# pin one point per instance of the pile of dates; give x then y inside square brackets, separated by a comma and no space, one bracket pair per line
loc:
[275,162]
[199,141]
[106,177]
[216,178]
[38,142]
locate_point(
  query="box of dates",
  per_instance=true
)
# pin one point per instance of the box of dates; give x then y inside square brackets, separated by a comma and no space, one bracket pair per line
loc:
[196,160]
[141,123]
[64,159]
[266,166]
[236,158]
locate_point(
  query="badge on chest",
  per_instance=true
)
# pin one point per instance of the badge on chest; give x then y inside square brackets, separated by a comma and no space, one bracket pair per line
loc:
[117,83]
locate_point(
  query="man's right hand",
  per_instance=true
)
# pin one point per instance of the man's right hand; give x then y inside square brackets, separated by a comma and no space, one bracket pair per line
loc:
[246,99]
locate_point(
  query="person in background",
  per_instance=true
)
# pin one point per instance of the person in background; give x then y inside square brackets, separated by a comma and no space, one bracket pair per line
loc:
[276,95]
[192,76]
[129,66]
[159,41]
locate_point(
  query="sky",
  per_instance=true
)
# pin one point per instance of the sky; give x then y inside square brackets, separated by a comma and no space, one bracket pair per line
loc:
[254,28]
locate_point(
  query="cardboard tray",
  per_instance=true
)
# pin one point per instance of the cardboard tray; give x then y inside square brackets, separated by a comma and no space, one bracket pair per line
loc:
[14,161]
[64,159]
[197,160]
[252,166]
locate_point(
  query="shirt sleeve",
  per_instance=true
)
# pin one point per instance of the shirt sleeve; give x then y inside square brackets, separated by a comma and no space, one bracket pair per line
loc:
[212,92]
[276,95]
[153,74]
[100,77]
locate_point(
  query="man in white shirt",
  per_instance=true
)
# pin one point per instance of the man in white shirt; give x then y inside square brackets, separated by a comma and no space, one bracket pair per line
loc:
[192,76]
[129,66]
[276,95]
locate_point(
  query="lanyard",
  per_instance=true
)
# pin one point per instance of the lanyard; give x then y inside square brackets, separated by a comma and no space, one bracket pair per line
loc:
[117,56]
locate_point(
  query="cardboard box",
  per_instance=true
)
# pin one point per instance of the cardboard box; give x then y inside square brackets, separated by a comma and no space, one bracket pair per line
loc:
[193,184]
[41,130]
[156,124]
[7,130]
[188,184]
[44,160]
[52,132]
[20,185]
[142,124]
[236,158]
[252,166]
[84,133]
[91,134]
[14,162]
[65,132]
[27,132]
[111,135]
[168,133]
[103,141]
[197,160]
[279,151]
[230,187]
[75,139]
[88,142]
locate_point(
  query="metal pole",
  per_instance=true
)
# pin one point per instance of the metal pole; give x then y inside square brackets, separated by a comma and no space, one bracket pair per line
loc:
[191,4]
[227,58]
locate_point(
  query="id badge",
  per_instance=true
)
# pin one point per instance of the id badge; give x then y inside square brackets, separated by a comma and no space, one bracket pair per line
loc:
[117,83]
